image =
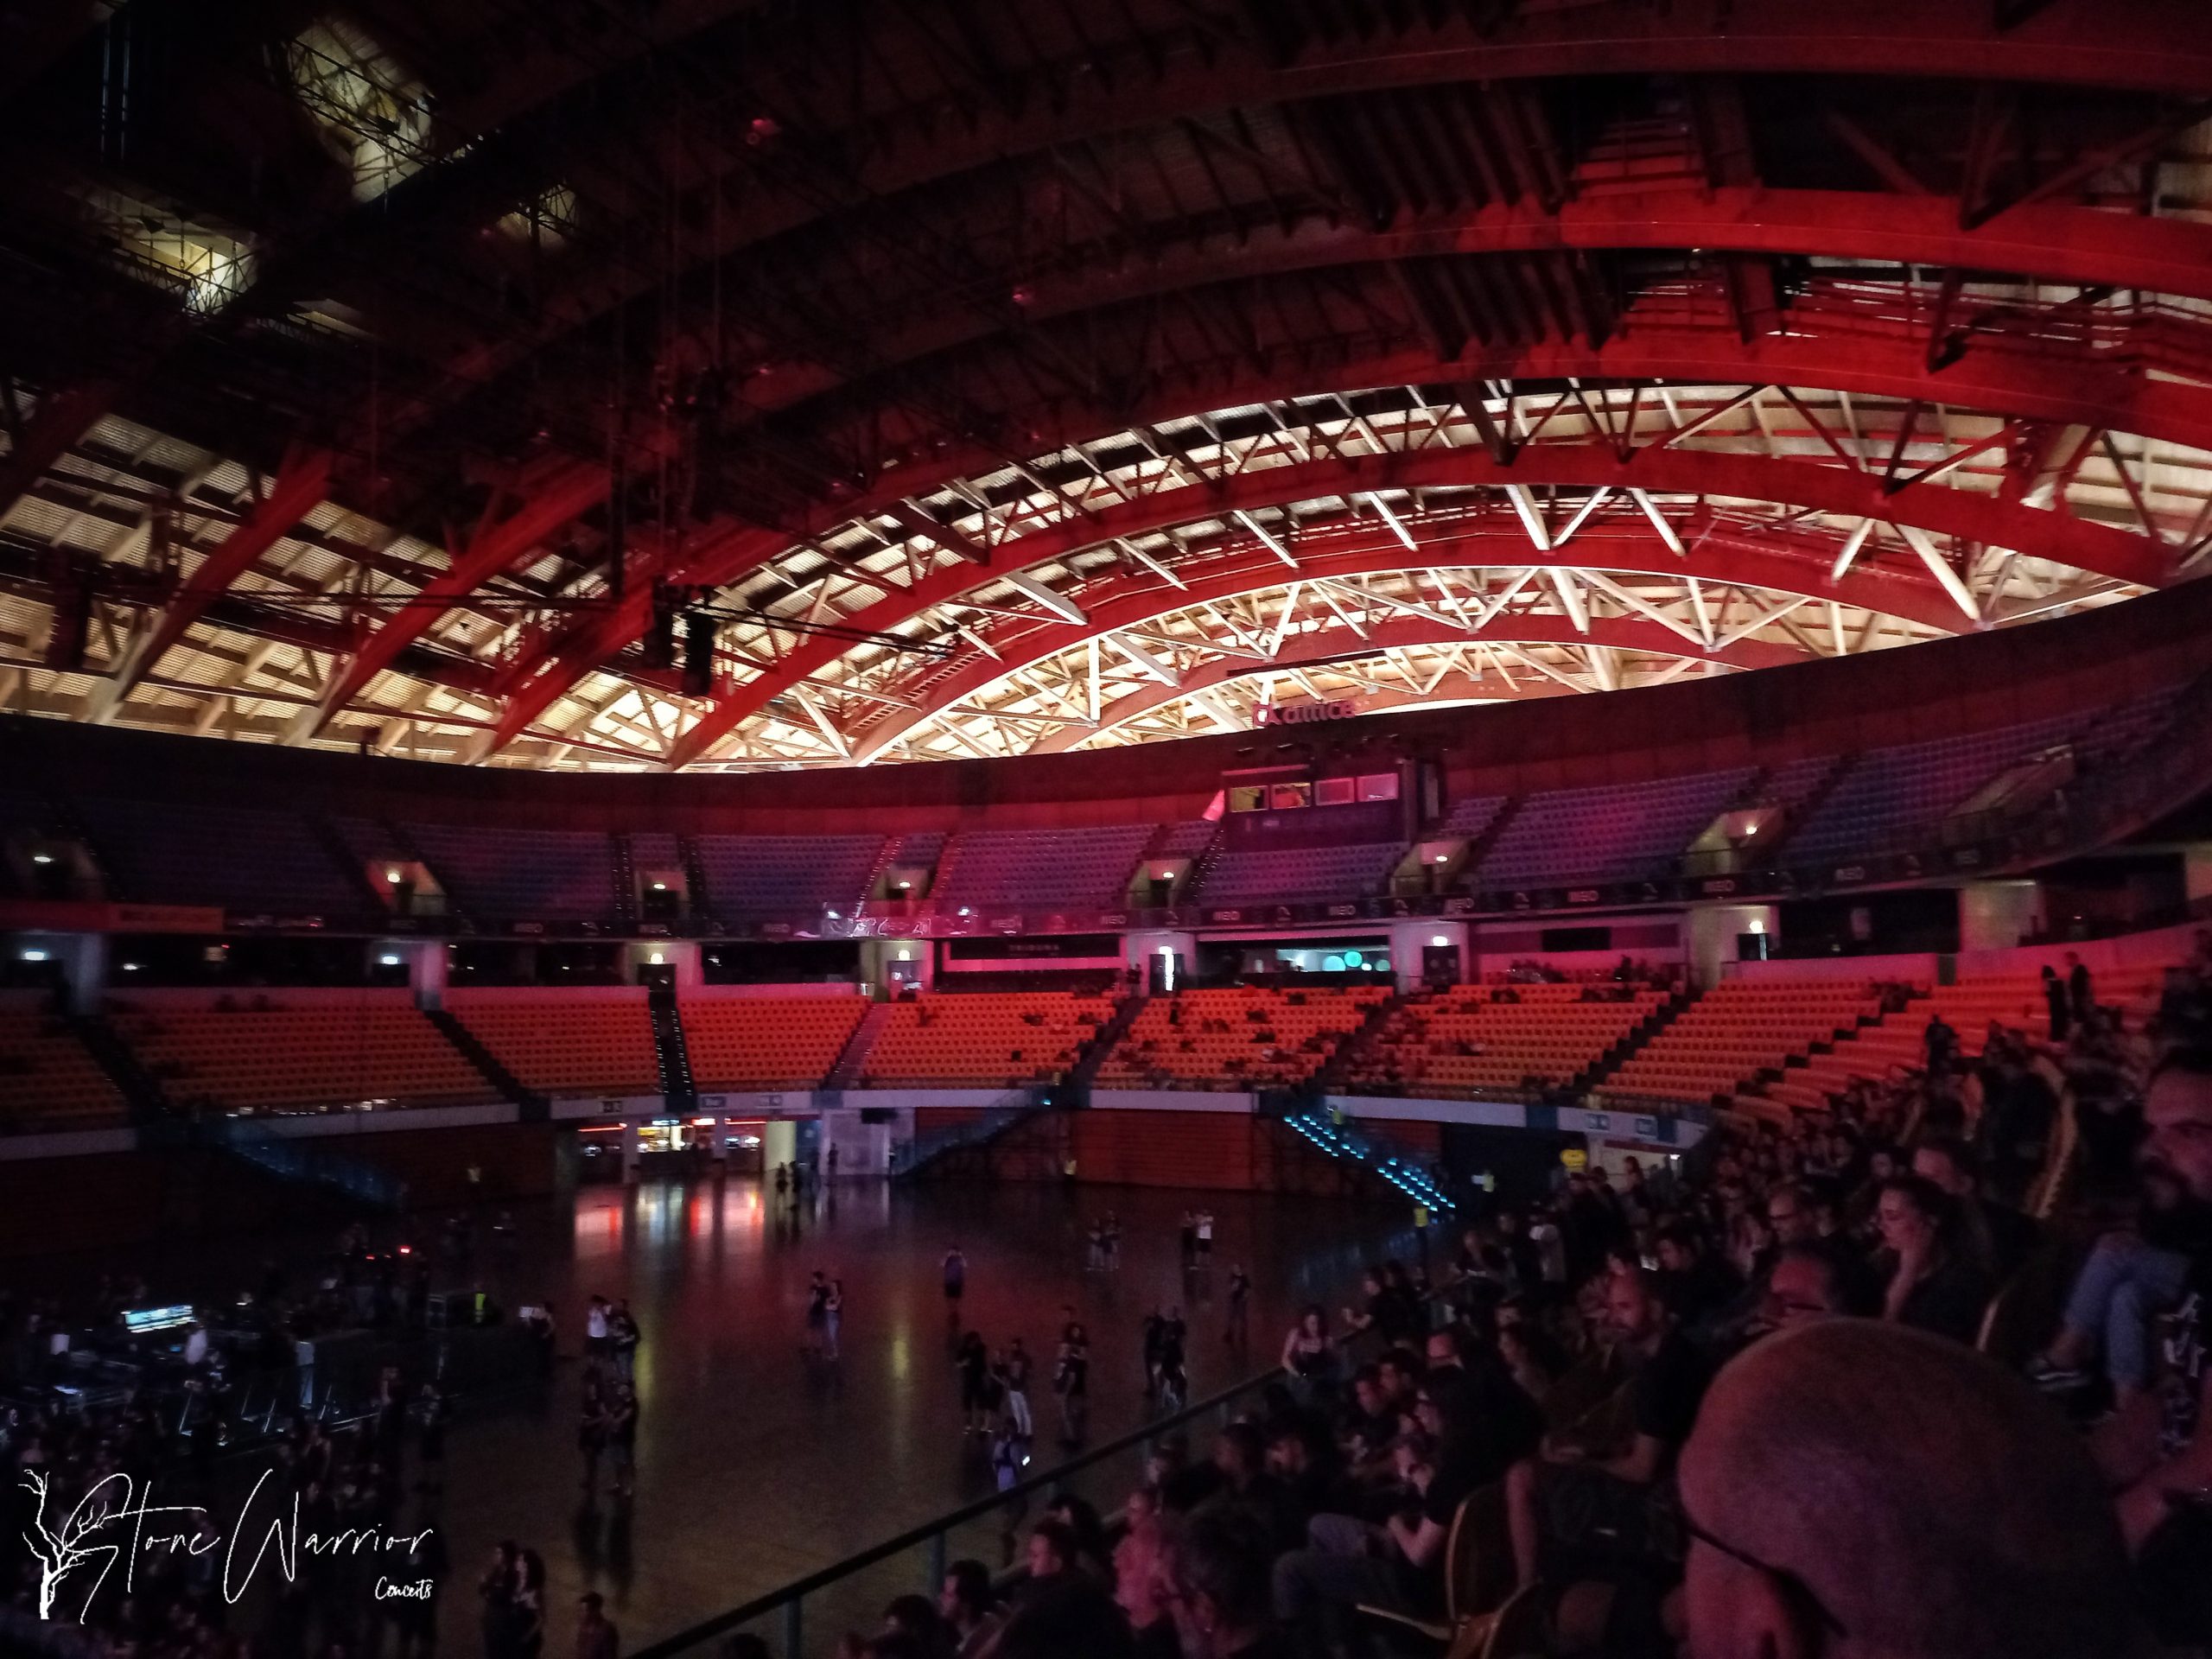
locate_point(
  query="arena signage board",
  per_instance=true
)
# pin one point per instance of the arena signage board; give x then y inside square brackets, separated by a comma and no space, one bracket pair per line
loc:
[1303,713]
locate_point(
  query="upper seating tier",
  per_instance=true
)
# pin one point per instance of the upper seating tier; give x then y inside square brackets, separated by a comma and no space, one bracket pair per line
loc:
[1040,868]
[770,875]
[550,874]
[226,857]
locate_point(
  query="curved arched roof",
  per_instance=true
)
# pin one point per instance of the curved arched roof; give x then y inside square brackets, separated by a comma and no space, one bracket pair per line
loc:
[1015,376]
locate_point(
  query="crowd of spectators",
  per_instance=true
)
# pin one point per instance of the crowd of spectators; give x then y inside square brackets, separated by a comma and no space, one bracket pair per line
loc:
[1734,1409]
[167,1415]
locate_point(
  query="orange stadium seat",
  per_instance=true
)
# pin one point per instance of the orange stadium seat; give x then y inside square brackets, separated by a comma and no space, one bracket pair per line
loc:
[1723,1043]
[1899,1042]
[255,1051]
[568,1046]
[48,1078]
[985,1039]
[1237,1037]
[1474,1040]
[767,1042]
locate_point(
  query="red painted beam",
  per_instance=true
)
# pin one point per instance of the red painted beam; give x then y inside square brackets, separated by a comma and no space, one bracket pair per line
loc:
[1127,602]
[61,418]
[2058,244]
[2156,46]
[575,488]
[1611,633]
[1802,484]
[303,482]
[541,677]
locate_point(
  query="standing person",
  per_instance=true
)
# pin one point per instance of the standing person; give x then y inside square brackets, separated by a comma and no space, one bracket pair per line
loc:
[1009,1454]
[956,1283]
[1174,1381]
[595,1333]
[596,1636]
[2055,999]
[622,1438]
[623,1335]
[1190,1239]
[817,1316]
[1239,1333]
[431,1414]
[1113,1240]
[530,1605]
[591,1431]
[833,1160]
[496,1590]
[973,1360]
[783,1181]
[1309,1355]
[1205,1236]
[1153,1332]
[1072,1381]
[1019,1367]
[833,1317]
[2079,991]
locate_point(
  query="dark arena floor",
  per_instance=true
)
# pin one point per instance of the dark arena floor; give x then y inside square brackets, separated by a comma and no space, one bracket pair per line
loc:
[756,1466]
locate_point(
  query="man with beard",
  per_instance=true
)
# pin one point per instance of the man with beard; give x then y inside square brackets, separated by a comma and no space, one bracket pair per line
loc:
[2165,1509]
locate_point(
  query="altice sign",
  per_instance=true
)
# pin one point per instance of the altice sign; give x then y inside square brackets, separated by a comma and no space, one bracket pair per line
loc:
[1303,713]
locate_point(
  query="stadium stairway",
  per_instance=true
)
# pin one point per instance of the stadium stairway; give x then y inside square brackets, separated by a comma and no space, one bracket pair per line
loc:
[677,1087]
[1085,1070]
[411,850]
[346,861]
[1621,1053]
[1809,808]
[534,1106]
[696,898]
[1355,1045]
[66,822]
[1481,846]
[140,1088]
[853,1057]
[626,881]
[1339,1139]
[962,1150]
[305,1162]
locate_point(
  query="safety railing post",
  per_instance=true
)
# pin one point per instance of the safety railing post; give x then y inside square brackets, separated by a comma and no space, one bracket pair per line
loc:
[935,1564]
[792,1628]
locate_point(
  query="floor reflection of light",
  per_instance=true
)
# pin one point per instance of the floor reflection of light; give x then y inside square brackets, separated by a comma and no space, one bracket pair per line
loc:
[599,1229]
[902,1355]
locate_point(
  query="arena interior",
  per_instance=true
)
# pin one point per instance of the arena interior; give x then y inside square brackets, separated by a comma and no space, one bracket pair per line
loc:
[1078,828]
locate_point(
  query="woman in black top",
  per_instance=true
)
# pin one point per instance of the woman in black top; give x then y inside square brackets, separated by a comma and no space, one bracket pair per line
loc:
[1933,1284]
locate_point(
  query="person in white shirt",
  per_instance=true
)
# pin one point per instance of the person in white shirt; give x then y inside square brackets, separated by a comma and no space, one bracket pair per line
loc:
[595,1333]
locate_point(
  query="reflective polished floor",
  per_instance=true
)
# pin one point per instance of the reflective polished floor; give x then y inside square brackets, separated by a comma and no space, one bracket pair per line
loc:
[757,1466]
